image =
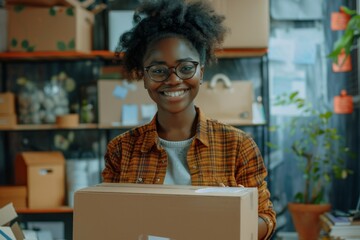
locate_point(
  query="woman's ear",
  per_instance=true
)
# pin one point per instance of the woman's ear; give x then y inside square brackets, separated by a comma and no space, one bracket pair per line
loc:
[202,74]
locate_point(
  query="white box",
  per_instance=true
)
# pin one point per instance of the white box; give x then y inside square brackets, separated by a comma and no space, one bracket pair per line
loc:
[120,21]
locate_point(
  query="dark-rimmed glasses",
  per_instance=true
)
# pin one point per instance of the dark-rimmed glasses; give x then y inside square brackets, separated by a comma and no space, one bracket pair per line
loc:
[161,72]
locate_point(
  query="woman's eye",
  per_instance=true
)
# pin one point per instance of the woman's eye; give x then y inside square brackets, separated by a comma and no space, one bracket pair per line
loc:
[158,71]
[188,68]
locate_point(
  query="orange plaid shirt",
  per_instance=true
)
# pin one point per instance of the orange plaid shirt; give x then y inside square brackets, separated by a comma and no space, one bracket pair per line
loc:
[219,154]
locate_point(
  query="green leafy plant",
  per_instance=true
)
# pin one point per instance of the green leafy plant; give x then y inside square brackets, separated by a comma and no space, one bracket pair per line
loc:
[317,146]
[352,33]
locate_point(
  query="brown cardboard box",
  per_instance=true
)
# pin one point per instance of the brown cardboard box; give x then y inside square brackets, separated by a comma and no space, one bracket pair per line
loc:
[44,175]
[136,211]
[110,106]
[7,121]
[228,101]
[13,194]
[248,21]
[7,103]
[60,28]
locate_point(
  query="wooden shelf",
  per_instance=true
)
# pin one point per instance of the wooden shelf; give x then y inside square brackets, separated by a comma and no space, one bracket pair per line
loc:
[54,55]
[234,53]
[72,55]
[37,127]
[64,209]
[82,126]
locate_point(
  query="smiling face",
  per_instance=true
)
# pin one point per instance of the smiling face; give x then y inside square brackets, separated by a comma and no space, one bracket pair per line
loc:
[173,95]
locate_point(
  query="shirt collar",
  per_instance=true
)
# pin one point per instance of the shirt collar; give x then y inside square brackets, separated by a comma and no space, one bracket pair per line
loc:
[202,128]
[152,138]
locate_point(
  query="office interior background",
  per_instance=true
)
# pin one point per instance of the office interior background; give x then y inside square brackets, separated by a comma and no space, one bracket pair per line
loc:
[300,37]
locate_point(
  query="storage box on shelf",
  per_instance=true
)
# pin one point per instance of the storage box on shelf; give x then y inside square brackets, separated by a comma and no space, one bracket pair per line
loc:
[13,194]
[67,27]
[122,103]
[227,101]
[247,20]
[115,29]
[43,173]
[7,110]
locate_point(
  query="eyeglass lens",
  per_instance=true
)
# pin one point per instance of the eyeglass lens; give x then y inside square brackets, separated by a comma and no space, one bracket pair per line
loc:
[161,72]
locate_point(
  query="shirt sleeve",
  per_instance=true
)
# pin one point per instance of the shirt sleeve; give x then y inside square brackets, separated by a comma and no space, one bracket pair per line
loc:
[111,172]
[252,173]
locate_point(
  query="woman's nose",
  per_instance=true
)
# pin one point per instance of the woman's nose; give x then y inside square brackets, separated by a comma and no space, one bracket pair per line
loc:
[173,77]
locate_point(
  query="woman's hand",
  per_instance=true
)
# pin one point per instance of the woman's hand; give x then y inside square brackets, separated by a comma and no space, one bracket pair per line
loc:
[223,185]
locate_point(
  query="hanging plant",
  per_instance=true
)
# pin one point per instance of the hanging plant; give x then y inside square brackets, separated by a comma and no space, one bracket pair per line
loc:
[347,42]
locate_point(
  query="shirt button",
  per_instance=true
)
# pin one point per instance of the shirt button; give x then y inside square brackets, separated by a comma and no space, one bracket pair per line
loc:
[194,167]
[139,179]
[158,179]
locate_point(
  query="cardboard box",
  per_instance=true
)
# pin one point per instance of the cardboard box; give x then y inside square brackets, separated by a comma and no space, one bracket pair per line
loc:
[248,21]
[7,121]
[7,103]
[228,101]
[13,194]
[9,228]
[60,28]
[3,30]
[136,211]
[113,95]
[44,175]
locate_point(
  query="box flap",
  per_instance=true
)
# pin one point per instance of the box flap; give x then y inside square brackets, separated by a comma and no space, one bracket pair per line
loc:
[40,158]
[7,214]
[19,235]
[167,189]
[45,3]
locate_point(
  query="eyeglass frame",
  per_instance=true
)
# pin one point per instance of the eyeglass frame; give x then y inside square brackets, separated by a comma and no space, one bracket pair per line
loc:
[196,63]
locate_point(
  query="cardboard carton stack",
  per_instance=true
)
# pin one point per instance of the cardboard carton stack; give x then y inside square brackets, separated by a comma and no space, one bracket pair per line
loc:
[55,25]
[8,117]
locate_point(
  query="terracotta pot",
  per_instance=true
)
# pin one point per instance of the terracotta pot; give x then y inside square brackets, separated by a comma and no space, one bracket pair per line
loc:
[306,219]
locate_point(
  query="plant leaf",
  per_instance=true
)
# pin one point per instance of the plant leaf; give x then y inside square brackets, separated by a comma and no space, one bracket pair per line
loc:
[347,10]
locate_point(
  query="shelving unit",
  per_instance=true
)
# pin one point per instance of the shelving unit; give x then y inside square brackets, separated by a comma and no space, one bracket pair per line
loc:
[68,55]
[99,57]
[64,215]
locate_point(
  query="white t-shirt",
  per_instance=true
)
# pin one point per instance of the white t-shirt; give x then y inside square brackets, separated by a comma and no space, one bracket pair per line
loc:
[177,171]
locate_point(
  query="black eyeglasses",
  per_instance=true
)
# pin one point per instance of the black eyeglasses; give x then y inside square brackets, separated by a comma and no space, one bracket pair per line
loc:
[160,72]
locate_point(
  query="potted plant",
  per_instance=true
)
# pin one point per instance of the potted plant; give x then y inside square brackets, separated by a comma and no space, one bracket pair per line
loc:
[346,42]
[321,154]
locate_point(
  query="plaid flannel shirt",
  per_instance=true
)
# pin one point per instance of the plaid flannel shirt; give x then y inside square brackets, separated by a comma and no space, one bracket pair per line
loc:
[219,154]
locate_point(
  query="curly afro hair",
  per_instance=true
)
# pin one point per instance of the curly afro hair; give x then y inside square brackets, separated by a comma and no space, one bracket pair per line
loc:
[156,19]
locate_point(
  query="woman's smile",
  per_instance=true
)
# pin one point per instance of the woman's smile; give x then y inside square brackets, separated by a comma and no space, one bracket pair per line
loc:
[174,93]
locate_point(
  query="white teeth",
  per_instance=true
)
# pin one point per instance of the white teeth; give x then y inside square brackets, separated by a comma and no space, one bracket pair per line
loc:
[174,94]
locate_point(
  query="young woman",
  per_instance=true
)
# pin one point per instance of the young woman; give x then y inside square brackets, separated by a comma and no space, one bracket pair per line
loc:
[168,48]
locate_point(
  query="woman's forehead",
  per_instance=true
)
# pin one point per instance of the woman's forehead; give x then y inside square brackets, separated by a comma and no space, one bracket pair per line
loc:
[171,48]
